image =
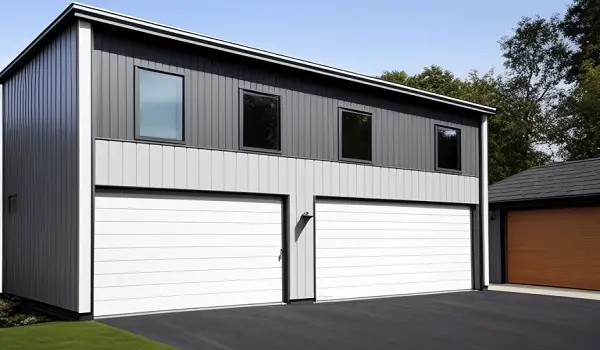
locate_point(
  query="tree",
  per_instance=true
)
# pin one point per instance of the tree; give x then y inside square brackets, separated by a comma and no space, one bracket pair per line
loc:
[578,131]
[536,58]
[581,25]
[509,148]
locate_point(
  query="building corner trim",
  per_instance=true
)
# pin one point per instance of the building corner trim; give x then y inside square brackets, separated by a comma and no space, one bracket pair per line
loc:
[484,201]
[84,122]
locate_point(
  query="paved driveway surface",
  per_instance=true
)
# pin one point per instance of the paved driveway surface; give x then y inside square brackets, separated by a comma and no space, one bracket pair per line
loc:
[468,320]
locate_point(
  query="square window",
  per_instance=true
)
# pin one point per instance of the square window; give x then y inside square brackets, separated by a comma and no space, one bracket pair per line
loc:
[261,121]
[356,133]
[159,113]
[448,148]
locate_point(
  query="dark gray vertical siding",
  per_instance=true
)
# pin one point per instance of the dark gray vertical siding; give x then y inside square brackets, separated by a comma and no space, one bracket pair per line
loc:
[41,169]
[496,247]
[403,134]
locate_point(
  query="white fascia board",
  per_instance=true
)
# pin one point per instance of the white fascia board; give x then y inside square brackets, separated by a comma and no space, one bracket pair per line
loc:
[84,115]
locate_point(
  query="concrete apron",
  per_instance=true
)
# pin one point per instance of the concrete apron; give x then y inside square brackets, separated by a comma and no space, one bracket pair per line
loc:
[552,291]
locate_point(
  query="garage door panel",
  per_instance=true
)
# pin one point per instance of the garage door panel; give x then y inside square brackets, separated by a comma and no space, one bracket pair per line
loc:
[394,217]
[334,243]
[184,251]
[393,289]
[399,278]
[392,269]
[204,240]
[184,265]
[133,279]
[367,249]
[404,208]
[208,203]
[129,306]
[368,234]
[129,254]
[143,228]
[390,260]
[186,216]
[554,247]
[184,289]
[375,225]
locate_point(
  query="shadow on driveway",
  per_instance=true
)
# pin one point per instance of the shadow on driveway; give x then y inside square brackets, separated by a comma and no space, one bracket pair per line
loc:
[467,320]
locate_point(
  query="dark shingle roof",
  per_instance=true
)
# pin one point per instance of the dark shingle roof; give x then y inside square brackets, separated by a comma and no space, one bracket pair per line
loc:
[557,180]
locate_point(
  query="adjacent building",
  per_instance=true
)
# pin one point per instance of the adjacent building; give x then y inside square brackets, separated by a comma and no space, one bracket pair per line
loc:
[545,226]
[150,169]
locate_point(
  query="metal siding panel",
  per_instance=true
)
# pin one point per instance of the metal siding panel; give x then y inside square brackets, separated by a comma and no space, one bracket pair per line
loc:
[263,174]
[180,167]
[318,177]
[360,180]
[156,166]
[129,164]
[217,170]
[230,171]
[242,172]
[142,165]
[253,173]
[385,183]
[102,177]
[368,184]
[192,177]
[40,137]
[376,182]
[115,166]
[401,185]
[495,249]
[121,69]
[204,166]
[327,185]
[168,167]
[293,239]
[113,94]
[273,185]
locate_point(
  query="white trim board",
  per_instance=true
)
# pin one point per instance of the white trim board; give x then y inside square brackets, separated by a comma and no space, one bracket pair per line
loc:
[84,119]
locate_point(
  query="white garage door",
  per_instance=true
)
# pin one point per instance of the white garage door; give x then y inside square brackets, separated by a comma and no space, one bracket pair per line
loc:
[156,253]
[366,249]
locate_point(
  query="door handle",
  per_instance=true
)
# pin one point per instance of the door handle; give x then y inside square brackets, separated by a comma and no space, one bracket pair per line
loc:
[280,254]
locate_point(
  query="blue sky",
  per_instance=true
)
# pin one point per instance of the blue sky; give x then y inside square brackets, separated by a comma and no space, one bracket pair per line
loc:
[362,36]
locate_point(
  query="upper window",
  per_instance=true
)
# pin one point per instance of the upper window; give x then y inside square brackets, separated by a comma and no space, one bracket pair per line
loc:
[159,114]
[356,131]
[261,121]
[448,148]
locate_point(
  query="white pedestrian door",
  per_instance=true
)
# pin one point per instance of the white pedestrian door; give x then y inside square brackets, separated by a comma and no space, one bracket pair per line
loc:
[157,253]
[368,249]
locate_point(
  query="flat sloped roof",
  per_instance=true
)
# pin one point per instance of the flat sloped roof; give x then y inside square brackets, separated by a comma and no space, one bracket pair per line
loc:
[80,11]
[558,180]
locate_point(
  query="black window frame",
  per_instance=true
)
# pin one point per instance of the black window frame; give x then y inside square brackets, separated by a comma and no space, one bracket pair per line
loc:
[137,113]
[242,147]
[459,149]
[341,111]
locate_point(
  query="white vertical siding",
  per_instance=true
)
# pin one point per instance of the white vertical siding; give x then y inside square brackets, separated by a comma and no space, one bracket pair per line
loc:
[301,179]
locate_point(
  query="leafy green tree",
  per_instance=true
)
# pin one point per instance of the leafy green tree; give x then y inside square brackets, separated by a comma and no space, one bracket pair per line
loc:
[581,25]
[578,131]
[510,149]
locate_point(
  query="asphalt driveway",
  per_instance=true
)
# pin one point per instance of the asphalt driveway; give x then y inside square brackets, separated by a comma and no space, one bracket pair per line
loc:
[468,320]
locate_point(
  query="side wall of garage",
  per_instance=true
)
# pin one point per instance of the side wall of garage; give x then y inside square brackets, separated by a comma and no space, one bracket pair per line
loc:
[130,164]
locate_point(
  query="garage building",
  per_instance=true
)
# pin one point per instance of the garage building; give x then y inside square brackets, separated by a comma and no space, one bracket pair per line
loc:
[545,226]
[152,169]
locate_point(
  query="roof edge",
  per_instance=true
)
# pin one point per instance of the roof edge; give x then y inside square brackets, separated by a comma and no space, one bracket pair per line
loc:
[95,14]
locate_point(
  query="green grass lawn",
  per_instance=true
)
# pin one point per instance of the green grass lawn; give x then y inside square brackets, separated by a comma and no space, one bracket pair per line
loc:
[72,335]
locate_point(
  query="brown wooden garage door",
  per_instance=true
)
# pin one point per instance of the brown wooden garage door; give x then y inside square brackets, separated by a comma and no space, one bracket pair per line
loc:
[554,247]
